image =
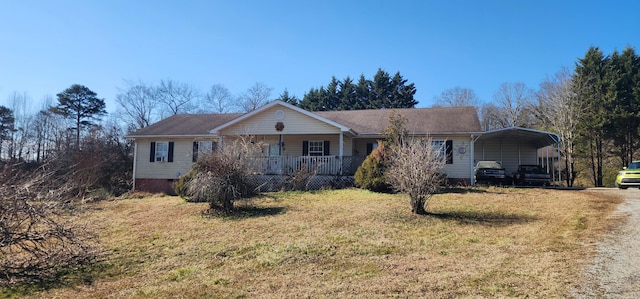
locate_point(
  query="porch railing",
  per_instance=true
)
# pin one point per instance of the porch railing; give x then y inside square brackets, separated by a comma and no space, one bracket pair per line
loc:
[322,165]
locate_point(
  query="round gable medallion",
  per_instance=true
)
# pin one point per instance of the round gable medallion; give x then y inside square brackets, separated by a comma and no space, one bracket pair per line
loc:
[279,114]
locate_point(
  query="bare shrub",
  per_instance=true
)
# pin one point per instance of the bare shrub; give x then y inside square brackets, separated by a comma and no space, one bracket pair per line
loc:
[414,169]
[300,179]
[39,236]
[224,176]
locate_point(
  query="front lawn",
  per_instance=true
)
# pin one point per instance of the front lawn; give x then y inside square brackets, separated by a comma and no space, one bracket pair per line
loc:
[477,242]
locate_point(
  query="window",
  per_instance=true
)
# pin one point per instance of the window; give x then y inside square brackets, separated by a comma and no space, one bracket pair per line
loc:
[161,152]
[316,148]
[203,147]
[445,149]
[438,145]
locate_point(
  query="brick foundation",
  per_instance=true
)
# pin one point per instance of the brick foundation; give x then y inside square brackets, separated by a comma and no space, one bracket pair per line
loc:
[155,186]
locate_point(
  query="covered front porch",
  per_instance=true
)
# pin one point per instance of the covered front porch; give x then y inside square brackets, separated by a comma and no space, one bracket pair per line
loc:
[320,165]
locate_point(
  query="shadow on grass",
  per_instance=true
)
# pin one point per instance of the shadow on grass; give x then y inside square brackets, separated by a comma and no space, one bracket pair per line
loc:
[483,218]
[475,189]
[462,190]
[84,275]
[244,212]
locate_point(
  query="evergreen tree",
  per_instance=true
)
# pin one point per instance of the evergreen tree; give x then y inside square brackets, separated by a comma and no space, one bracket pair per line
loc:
[370,174]
[623,105]
[363,93]
[285,97]
[591,88]
[348,99]
[380,91]
[81,105]
[332,96]
[383,92]
[401,93]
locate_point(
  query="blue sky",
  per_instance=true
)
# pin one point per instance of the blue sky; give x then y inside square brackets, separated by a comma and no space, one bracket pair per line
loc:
[46,46]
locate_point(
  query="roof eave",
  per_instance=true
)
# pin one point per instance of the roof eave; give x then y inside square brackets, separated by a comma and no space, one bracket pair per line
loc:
[342,128]
[371,135]
[170,136]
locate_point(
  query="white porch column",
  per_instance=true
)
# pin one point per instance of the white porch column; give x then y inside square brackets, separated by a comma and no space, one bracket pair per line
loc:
[341,144]
[471,157]
[341,150]
[135,164]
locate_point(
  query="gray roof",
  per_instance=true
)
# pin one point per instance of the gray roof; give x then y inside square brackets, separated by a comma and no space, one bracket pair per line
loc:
[185,124]
[536,138]
[439,120]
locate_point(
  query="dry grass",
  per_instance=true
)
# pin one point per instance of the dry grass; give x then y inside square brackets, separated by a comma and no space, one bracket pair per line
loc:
[487,242]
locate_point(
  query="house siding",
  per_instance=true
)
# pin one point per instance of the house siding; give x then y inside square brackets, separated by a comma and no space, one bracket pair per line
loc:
[360,145]
[459,169]
[293,143]
[264,123]
[182,160]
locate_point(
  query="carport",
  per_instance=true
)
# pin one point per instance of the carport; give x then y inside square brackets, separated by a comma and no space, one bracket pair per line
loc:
[515,146]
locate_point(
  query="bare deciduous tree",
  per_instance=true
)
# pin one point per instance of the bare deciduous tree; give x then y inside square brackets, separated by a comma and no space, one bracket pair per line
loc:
[559,109]
[138,105]
[457,97]
[219,98]
[177,96]
[515,101]
[256,96]
[22,128]
[43,127]
[415,169]
[492,117]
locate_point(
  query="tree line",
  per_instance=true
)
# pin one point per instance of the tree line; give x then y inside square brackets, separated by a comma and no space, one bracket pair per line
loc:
[593,108]
[382,92]
[607,92]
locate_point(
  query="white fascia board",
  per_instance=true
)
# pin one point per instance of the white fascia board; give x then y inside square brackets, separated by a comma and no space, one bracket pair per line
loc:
[283,104]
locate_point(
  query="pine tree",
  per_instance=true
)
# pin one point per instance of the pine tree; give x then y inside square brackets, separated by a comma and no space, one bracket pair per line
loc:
[383,92]
[80,104]
[590,87]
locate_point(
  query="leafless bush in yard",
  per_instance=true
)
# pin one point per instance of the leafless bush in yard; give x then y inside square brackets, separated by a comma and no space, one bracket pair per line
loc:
[300,179]
[415,169]
[38,235]
[223,176]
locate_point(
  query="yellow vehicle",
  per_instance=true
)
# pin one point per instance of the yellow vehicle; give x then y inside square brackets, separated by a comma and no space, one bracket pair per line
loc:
[629,176]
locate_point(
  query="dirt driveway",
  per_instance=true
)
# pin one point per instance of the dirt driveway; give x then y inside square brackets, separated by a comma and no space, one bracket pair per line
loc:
[615,272]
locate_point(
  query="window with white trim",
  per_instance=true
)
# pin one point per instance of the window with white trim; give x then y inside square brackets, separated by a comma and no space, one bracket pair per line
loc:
[162,151]
[316,148]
